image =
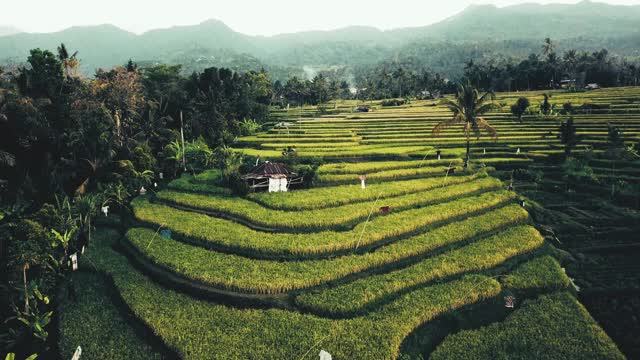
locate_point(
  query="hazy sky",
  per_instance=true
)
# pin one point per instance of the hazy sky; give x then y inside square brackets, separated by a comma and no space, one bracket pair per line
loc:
[257,17]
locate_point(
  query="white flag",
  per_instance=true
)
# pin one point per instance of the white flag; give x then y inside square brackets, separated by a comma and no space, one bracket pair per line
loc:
[74,261]
[76,355]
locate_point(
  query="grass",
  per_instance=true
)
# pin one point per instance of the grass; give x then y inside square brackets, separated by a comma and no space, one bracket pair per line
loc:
[228,235]
[363,294]
[190,183]
[326,197]
[541,274]
[197,329]
[428,259]
[553,326]
[340,217]
[385,175]
[242,274]
[377,166]
[93,322]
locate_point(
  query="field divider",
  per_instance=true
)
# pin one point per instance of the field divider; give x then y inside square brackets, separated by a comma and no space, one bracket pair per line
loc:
[169,278]
[370,294]
[355,215]
[341,195]
[288,248]
[281,300]
[273,277]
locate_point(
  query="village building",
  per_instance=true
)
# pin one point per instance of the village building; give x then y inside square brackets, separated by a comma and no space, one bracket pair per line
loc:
[272,176]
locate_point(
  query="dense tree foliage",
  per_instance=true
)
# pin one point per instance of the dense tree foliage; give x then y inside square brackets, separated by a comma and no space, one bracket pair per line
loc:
[64,134]
[409,77]
[548,69]
[71,145]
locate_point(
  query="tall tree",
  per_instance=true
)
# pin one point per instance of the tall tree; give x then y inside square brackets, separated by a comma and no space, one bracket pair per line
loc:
[70,63]
[568,136]
[518,109]
[468,106]
[548,47]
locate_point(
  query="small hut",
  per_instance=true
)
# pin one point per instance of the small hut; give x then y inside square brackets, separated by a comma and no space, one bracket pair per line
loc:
[275,177]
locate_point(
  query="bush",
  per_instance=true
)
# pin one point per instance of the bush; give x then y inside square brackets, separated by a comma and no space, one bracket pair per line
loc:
[198,154]
[308,173]
[520,107]
[249,127]
[234,181]
[568,109]
[392,102]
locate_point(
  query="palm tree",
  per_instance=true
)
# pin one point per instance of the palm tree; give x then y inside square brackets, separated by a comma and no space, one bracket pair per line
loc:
[399,75]
[570,58]
[70,63]
[548,47]
[468,107]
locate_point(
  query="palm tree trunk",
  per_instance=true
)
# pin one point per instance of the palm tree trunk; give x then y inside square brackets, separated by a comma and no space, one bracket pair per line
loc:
[466,160]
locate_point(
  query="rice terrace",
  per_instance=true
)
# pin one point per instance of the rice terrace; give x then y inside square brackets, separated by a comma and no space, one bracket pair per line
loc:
[158,210]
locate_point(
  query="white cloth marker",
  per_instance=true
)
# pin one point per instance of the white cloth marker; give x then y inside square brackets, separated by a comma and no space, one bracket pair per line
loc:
[325,355]
[74,261]
[76,355]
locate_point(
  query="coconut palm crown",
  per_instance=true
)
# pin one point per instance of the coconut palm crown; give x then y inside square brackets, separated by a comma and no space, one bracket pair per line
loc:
[468,106]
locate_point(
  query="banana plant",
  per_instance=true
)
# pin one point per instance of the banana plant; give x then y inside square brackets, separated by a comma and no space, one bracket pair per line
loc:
[33,316]
[63,239]
[12,356]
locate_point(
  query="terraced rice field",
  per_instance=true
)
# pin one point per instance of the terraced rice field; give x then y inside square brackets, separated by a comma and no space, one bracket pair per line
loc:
[285,275]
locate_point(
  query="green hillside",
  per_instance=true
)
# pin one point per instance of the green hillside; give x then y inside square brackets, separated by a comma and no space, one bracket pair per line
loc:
[286,275]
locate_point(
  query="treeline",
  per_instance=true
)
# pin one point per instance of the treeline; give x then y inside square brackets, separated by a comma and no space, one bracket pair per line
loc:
[63,134]
[543,70]
[73,147]
[549,69]
[380,83]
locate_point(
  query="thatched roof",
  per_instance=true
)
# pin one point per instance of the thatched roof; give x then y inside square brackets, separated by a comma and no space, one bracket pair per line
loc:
[270,170]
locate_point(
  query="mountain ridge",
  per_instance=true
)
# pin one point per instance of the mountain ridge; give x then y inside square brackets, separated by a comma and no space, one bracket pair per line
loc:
[108,45]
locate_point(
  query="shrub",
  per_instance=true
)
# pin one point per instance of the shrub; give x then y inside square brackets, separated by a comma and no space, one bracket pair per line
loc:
[568,109]
[518,109]
[233,180]
[249,127]
[392,102]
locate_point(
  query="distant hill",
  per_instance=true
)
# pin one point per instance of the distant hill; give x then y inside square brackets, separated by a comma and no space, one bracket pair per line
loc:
[8,30]
[534,21]
[507,31]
